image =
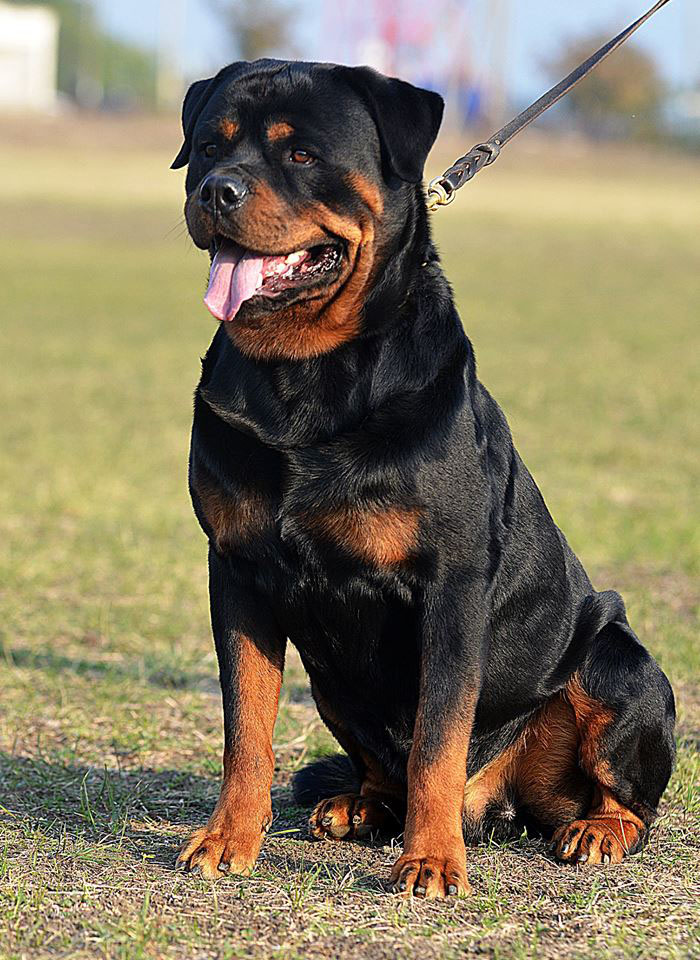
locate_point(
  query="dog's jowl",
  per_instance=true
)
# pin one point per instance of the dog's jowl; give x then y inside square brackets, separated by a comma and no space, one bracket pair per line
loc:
[363,500]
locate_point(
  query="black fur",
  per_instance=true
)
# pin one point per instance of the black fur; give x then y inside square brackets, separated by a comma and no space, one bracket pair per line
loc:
[326,777]
[491,604]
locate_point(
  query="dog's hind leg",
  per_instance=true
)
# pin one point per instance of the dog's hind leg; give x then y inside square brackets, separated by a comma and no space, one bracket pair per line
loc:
[621,709]
[352,802]
[354,798]
[356,816]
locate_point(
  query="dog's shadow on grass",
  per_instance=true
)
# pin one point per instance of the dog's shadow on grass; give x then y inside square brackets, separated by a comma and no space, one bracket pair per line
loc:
[145,813]
[151,669]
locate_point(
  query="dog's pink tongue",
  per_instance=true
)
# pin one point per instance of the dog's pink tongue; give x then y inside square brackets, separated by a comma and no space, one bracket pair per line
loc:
[235,277]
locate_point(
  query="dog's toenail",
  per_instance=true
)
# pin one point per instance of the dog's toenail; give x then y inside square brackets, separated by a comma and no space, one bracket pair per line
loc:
[451,890]
[224,867]
[327,821]
[357,819]
[419,891]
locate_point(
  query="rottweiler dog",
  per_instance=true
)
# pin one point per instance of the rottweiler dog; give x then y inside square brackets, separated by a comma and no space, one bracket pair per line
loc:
[363,499]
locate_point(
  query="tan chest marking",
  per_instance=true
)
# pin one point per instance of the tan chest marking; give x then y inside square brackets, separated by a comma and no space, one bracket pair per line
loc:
[234,519]
[385,537]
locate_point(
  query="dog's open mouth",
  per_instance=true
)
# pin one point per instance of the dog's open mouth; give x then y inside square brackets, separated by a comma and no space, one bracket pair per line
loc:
[238,274]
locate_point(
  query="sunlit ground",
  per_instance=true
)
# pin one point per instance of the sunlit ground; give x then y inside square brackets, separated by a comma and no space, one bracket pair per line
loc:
[577,276]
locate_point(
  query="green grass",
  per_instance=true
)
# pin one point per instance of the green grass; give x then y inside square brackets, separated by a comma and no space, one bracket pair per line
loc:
[578,285]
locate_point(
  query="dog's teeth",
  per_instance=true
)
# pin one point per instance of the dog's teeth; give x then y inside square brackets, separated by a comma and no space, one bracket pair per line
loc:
[294,257]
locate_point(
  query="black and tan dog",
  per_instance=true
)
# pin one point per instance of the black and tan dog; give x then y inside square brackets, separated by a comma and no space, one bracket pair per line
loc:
[362,498]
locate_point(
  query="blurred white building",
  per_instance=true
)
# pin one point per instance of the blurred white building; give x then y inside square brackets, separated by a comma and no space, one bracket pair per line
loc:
[28,58]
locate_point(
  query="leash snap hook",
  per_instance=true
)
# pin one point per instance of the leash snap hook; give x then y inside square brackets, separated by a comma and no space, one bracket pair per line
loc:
[441,190]
[440,193]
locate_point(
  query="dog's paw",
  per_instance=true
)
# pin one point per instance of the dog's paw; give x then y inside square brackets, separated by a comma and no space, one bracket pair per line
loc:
[351,817]
[430,877]
[212,853]
[602,840]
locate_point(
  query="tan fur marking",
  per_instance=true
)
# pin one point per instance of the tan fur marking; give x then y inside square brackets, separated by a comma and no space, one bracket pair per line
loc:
[233,519]
[607,833]
[279,130]
[243,812]
[434,856]
[547,774]
[350,816]
[435,807]
[607,817]
[309,328]
[592,719]
[249,765]
[489,784]
[384,537]
[542,766]
[368,192]
[556,771]
[610,809]
[228,128]
[268,222]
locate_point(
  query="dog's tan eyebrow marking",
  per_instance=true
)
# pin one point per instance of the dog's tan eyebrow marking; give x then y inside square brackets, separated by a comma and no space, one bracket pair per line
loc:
[228,128]
[279,130]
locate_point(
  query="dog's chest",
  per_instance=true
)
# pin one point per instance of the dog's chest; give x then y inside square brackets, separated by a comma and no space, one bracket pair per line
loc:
[305,509]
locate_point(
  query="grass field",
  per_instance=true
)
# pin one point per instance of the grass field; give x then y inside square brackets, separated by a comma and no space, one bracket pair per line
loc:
[578,282]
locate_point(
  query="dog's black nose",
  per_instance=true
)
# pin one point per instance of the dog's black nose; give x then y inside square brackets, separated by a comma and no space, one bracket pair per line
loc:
[222,194]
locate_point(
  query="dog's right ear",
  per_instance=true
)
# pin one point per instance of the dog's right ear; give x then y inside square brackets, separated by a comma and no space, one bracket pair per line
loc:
[195,99]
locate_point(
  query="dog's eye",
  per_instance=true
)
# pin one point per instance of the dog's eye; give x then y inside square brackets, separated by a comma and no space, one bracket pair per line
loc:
[209,149]
[301,156]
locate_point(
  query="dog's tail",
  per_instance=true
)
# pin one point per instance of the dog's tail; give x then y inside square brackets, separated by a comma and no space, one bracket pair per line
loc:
[325,778]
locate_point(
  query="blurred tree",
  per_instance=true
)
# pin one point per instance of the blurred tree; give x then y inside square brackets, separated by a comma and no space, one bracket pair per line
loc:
[95,68]
[623,96]
[257,28]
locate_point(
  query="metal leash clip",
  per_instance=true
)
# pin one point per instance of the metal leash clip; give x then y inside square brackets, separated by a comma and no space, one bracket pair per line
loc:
[442,190]
[438,194]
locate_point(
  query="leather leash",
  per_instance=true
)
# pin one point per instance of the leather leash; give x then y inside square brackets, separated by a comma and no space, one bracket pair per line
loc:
[442,190]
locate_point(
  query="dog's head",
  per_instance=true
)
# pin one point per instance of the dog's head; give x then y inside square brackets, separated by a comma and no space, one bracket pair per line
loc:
[301,178]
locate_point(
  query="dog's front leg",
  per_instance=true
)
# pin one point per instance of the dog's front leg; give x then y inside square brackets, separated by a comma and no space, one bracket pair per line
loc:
[433,863]
[250,648]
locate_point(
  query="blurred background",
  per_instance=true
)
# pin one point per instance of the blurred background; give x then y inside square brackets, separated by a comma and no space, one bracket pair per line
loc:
[575,262]
[486,57]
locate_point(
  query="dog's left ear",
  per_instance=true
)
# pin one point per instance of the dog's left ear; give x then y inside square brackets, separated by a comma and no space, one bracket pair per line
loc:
[195,99]
[408,119]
